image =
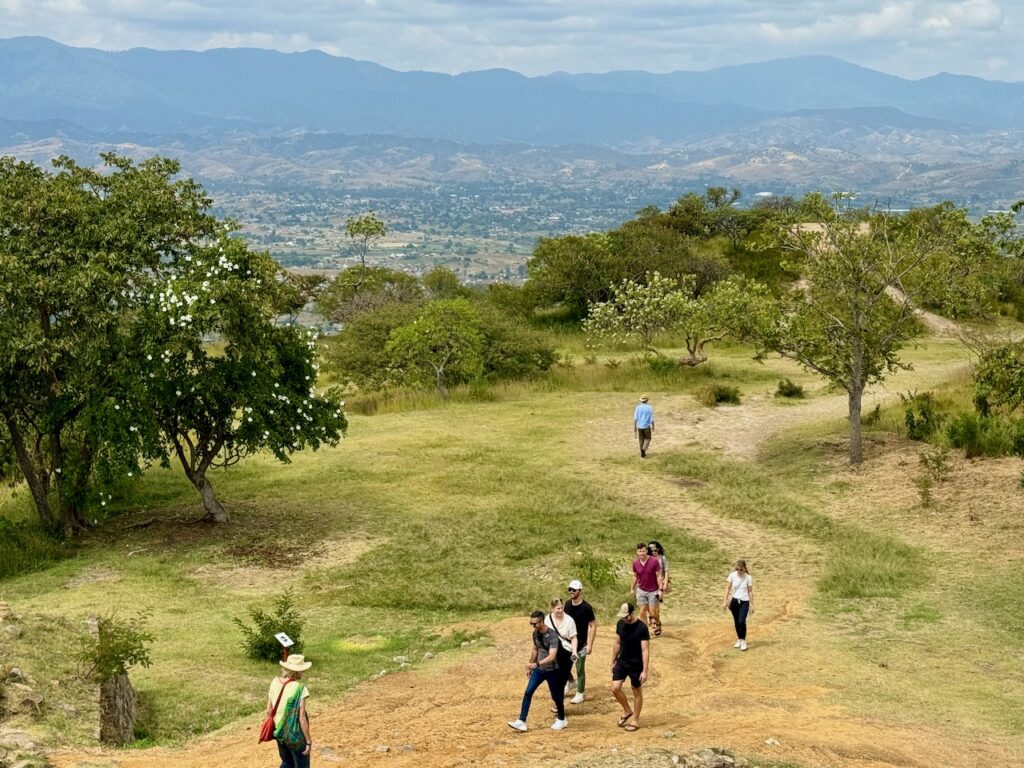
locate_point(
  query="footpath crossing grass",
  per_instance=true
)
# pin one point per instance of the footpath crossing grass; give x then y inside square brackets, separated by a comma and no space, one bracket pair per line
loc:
[417,521]
[859,563]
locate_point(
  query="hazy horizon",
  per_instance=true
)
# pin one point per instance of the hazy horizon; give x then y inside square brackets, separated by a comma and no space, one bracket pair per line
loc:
[906,38]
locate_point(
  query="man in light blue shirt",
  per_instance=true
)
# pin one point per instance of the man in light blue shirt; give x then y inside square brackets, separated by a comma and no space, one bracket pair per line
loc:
[643,425]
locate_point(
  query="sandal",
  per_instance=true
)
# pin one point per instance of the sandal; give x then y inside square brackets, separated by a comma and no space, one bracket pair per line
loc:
[632,727]
[657,629]
[625,719]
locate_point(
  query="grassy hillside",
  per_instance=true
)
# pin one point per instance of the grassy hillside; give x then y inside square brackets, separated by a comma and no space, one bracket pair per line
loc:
[432,520]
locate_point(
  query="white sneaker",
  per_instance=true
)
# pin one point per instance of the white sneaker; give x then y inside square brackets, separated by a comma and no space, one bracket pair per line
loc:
[517,725]
[577,699]
[743,645]
[556,726]
[738,644]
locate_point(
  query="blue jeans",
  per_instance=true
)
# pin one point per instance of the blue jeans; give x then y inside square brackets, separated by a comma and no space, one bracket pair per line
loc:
[291,758]
[556,684]
[739,610]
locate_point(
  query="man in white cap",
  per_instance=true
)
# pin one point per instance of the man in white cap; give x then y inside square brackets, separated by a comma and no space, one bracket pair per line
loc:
[287,693]
[630,658]
[586,625]
[643,425]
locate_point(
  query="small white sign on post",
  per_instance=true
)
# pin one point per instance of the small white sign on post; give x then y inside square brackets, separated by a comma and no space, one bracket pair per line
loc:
[284,640]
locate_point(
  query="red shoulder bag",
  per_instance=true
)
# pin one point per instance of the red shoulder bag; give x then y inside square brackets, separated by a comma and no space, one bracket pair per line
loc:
[267,729]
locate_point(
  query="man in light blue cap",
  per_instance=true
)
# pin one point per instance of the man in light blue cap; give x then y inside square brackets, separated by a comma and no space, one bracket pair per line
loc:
[643,425]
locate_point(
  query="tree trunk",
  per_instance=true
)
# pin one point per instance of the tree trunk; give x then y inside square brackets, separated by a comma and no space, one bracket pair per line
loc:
[439,377]
[855,396]
[118,707]
[33,477]
[693,359]
[214,509]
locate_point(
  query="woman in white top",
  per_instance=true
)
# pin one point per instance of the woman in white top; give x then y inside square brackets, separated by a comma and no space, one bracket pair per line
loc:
[565,627]
[739,599]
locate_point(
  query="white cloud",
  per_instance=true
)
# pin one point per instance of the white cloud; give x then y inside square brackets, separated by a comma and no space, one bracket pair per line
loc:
[907,37]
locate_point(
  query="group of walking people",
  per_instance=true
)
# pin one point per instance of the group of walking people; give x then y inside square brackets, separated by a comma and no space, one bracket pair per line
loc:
[563,639]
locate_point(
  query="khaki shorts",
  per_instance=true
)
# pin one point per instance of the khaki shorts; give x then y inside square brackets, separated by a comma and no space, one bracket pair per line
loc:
[646,598]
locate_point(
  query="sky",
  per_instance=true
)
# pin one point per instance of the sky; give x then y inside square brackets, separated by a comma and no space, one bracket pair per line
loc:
[910,38]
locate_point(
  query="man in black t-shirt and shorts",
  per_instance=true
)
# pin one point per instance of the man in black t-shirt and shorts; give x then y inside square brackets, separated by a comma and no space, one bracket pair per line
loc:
[630,658]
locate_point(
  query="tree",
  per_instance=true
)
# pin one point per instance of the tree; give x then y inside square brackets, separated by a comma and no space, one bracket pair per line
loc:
[642,311]
[78,249]
[575,270]
[854,308]
[442,345]
[999,377]
[359,289]
[249,392]
[364,231]
[297,291]
[442,283]
[639,312]
[112,282]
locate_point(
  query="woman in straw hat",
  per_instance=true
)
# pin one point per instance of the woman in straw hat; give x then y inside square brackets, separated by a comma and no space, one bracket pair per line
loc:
[287,693]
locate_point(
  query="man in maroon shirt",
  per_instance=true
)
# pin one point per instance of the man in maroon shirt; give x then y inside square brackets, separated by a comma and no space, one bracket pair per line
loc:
[647,587]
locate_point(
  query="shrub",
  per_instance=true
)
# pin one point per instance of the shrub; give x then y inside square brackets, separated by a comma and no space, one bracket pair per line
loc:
[259,643]
[662,366]
[986,435]
[120,645]
[717,393]
[788,389]
[921,415]
[934,469]
[611,363]
[594,571]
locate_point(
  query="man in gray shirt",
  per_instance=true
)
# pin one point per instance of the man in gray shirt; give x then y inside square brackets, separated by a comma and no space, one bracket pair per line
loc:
[543,668]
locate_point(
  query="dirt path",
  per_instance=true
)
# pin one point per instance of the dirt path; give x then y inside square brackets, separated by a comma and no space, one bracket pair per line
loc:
[451,711]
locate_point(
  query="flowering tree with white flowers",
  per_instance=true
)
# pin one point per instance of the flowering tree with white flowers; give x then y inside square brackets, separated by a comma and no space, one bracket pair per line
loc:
[252,389]
[639,312]
[127,318]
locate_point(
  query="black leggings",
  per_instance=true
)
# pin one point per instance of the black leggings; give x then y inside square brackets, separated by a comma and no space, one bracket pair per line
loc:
[564,659]
[739,610]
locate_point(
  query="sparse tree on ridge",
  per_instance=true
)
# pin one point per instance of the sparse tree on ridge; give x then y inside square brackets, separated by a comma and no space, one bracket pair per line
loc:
[862,282]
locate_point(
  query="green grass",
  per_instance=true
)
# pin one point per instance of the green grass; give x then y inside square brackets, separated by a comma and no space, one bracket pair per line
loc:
[859,563]
[24,545]
[437,516]
[435,513]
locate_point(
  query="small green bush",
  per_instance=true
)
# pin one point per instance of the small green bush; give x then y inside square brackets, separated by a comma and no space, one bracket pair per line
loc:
[921,415]
[717,393]
[788,389]
[259,643]
[121,644]
[662,366]
[986,435]
[596,572]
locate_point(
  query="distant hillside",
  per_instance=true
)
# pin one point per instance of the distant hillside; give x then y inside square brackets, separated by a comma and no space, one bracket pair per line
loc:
[280,120]
[228,90]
